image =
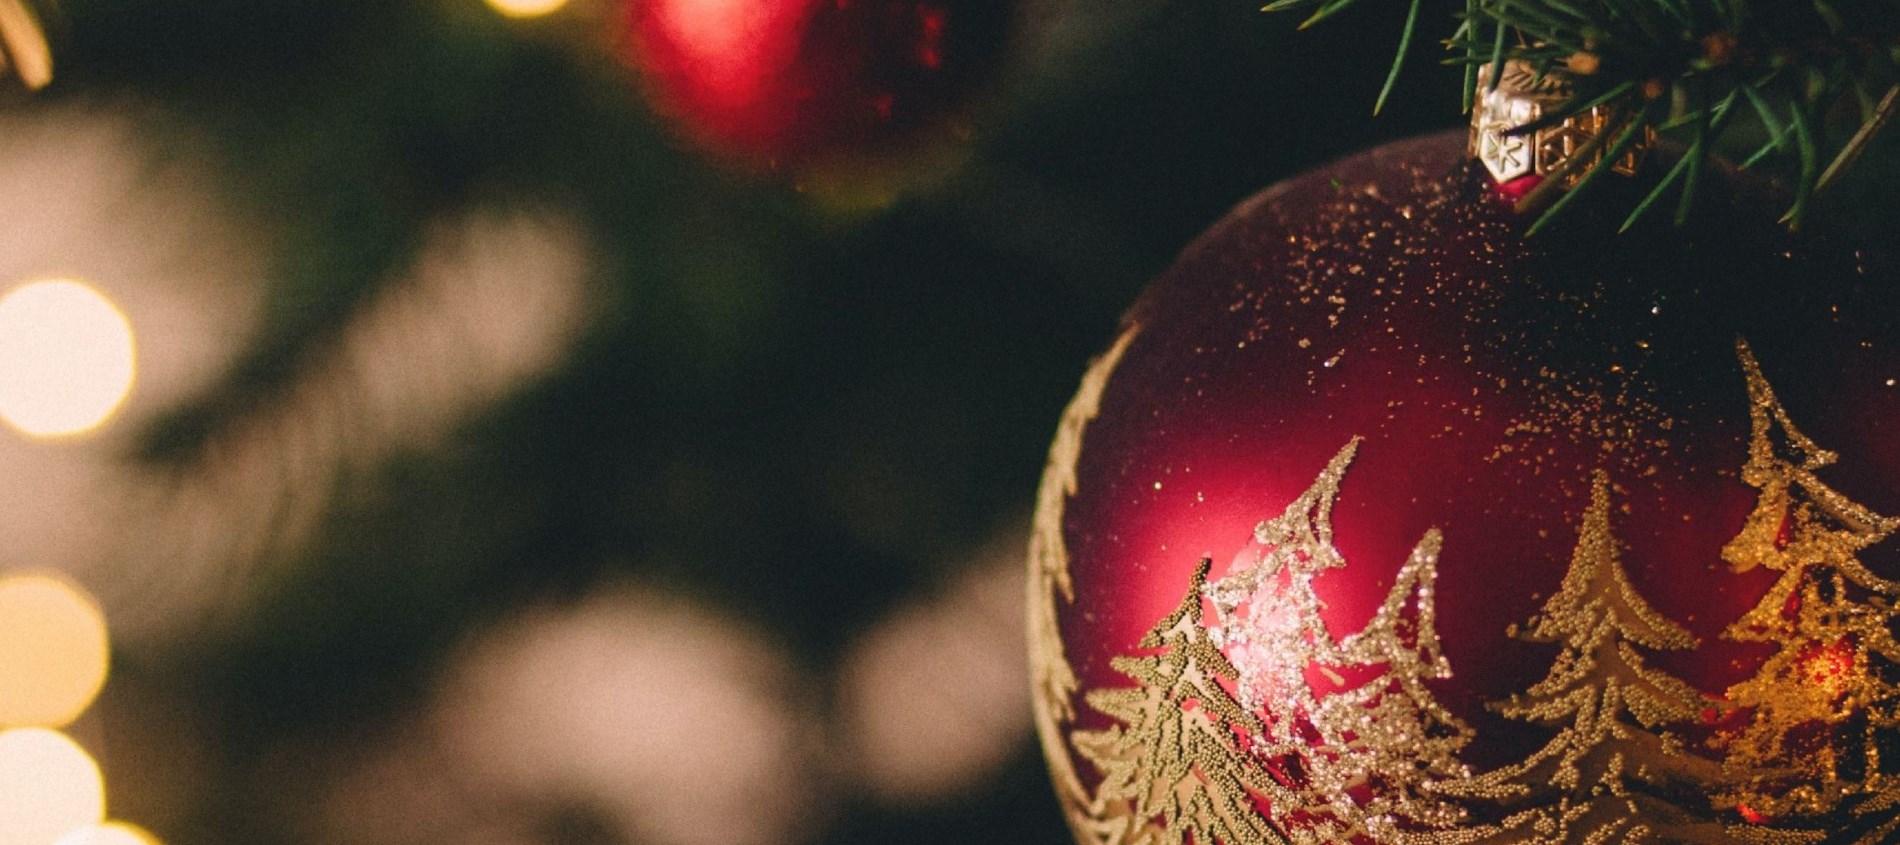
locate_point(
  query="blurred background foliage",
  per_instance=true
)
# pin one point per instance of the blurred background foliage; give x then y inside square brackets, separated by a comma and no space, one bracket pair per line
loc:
[807,411]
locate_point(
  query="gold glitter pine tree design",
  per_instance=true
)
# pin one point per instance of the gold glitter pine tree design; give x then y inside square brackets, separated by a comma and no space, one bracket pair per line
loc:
[1363,757]
[1052,678]
[1400,742]
[1824,705]
[1270,615]
[1610,775]
[1173,769]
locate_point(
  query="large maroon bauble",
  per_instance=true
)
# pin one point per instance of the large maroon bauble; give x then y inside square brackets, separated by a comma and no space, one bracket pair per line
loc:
[1381,522]
[791,81]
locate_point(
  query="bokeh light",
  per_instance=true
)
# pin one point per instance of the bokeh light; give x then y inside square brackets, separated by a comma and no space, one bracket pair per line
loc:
[671,723]
[733,47]
[112,833]
[931,700]
[49,787]
[26,46]
[93,193]
[53,653]
[66,358]
[526,8]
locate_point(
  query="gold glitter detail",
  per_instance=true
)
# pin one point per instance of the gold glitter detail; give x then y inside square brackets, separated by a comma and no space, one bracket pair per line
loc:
[1400,743]
[1052,679]
[1823,706]
[1356,764]
[1278,637]
[1609,775]
[1173,767]
[1617,416]
[1387,737]
[1226,739]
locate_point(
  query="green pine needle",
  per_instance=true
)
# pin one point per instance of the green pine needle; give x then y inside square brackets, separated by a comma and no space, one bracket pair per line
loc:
[1675,173]
[1327,10]
[1709,125]
[1810,170]
[1872,121]
[1497,58]
[1818,62]
[1398,61]
[1467,27]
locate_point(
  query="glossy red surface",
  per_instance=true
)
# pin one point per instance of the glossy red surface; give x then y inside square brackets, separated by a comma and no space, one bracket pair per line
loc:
[1389,297]
[787,80]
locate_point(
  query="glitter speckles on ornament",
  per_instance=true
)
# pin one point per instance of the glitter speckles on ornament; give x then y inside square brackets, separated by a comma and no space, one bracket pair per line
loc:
[1562,430]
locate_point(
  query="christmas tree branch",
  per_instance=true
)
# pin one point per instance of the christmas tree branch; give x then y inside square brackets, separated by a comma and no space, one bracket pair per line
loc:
[1686,67]
[1398,61]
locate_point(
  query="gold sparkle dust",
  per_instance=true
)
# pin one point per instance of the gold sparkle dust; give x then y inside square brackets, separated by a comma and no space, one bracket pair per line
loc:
[1616,415]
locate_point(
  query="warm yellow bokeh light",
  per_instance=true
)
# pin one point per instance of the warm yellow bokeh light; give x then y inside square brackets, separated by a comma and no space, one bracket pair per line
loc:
[66,358]
[112,833]
[49,787]
[526,8]
[53,651]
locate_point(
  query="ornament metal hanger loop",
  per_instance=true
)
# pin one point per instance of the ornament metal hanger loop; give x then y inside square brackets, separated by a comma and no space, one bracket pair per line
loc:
[1523,96]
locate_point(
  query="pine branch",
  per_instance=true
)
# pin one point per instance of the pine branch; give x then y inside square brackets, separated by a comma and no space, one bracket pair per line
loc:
[1687,68]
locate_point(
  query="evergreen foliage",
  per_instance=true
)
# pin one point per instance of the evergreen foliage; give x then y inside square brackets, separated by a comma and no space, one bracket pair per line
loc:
[1711,72]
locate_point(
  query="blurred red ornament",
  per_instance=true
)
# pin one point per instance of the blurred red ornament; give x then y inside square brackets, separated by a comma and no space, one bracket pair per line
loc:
[1383,523]
[792,81]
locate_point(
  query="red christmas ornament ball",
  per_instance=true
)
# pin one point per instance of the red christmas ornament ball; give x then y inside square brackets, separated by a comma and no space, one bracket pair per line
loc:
[791,81]
[1381,522]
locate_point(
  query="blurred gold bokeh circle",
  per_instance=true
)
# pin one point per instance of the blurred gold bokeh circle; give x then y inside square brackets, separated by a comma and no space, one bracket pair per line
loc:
[54,651]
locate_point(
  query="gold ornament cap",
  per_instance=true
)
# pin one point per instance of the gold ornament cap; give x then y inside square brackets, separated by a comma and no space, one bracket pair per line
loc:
[1523,96]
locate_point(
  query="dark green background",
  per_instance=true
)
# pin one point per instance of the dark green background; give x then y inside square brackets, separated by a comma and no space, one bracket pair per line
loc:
[803,415]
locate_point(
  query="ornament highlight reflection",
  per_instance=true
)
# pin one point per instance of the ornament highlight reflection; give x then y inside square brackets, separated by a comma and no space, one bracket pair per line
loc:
[66,358]
[53,653]
[49,787]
